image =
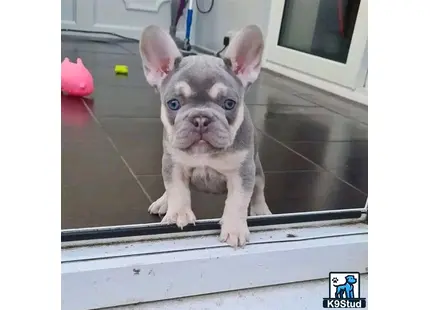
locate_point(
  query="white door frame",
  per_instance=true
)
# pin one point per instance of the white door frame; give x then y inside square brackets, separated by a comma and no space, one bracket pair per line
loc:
[345,75]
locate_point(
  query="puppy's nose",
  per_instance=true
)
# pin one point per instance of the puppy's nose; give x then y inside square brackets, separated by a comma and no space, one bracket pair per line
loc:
[201,122]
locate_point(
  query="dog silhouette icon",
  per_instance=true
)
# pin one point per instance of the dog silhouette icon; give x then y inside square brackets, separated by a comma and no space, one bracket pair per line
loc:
[346,290]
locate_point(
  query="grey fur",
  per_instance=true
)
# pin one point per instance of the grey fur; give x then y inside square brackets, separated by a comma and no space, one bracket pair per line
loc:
[201,72]
[203,129]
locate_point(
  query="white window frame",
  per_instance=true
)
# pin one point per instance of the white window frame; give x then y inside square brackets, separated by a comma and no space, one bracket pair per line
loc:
[345,80]
[114,272]
[344,74]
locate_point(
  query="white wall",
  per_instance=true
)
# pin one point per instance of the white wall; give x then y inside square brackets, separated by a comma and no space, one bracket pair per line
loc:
[124,17]
[130,16]
[228,15]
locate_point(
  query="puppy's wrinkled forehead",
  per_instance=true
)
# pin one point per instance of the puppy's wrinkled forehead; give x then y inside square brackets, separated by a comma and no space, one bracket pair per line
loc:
[202,77]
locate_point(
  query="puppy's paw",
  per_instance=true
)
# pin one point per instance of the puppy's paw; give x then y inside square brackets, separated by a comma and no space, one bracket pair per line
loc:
[234,232]
[159,206]
[259,209]
[181,218]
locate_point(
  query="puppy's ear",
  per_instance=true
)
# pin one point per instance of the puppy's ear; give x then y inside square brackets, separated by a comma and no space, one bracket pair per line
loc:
[245,52]
[159,53]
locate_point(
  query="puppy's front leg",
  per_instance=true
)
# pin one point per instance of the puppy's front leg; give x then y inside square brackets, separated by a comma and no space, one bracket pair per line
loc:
[240,184]
[176,182]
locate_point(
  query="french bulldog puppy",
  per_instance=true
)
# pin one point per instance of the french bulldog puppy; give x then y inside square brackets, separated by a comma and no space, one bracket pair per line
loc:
[209,139]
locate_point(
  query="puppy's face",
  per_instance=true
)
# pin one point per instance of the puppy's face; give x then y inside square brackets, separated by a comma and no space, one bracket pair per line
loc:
[201,96]
[202,103]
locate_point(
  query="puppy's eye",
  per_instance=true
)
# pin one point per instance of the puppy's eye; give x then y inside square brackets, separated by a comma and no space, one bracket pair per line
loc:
[229,104]
[173,104]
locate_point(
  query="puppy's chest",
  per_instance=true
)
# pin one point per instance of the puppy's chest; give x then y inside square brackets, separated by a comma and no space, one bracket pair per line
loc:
[206,179]
[223,164]
[205,173]
[208,174]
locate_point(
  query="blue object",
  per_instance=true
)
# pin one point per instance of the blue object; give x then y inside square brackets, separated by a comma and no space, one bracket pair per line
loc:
[187,45]
[189,22]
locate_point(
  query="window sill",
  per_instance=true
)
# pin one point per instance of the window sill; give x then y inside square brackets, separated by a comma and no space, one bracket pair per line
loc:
[128,272]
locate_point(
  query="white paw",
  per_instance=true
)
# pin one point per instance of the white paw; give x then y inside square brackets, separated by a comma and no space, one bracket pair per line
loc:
[234,232]
[181,218]
[259,209]
[159,206]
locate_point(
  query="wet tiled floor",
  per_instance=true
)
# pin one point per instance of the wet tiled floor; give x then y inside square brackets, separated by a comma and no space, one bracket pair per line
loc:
[313,146]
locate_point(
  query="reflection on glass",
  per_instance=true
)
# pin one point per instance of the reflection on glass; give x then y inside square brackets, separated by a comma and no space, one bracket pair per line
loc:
[322,28]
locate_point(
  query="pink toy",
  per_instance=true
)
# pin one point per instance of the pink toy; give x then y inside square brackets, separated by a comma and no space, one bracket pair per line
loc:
[76,80]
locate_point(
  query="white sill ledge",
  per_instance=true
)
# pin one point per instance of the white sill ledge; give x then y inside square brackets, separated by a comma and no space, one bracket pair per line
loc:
[295,296]
[125,273]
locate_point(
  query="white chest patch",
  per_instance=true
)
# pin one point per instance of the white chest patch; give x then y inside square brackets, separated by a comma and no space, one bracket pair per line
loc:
[208,174]
[222,163]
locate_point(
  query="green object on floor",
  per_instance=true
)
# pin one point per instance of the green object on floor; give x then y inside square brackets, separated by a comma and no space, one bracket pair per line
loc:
[121,69]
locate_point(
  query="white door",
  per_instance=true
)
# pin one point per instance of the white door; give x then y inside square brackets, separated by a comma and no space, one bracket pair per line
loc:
[323,38]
